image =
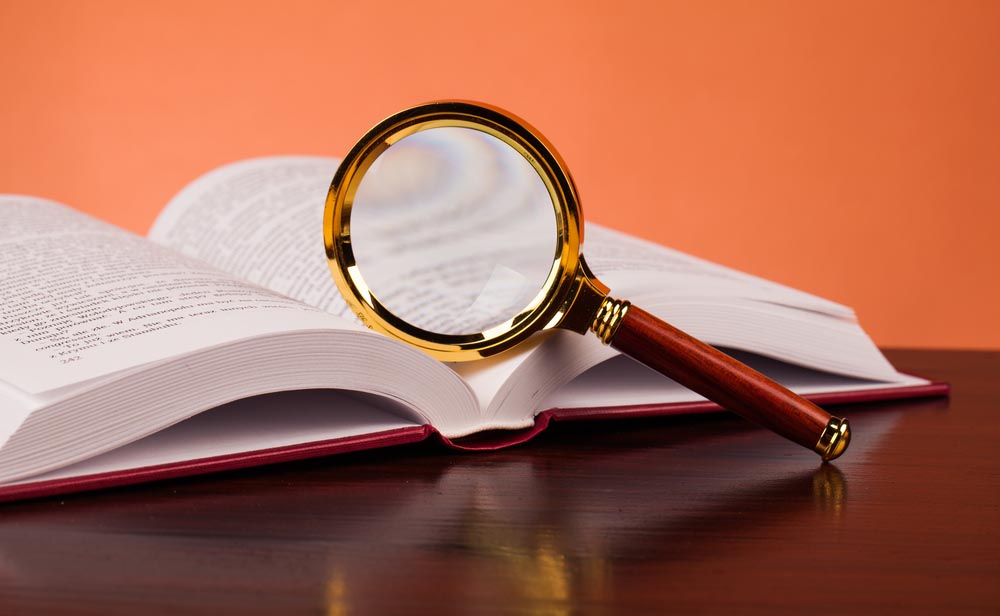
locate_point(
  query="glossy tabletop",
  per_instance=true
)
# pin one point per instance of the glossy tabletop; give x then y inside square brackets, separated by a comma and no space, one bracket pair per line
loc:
[703,514]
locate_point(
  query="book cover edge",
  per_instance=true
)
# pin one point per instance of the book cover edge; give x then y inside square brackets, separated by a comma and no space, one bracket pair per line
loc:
[488,441]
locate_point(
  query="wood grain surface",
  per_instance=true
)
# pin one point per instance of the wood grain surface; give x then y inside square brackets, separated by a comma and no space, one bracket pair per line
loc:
[704,514]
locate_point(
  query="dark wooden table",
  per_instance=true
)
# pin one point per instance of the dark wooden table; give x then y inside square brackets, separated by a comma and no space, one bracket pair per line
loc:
[703,514]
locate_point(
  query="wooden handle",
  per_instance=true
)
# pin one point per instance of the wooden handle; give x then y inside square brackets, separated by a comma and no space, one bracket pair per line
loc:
[727,382]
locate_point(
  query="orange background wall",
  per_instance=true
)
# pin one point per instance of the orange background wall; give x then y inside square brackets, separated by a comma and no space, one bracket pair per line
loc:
[850,149]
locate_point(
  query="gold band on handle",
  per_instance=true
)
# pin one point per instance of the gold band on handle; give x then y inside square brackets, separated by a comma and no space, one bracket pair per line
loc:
[834,440]
[609,316]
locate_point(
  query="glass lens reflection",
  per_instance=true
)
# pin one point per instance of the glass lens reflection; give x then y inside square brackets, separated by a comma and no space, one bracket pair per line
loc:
[453,230]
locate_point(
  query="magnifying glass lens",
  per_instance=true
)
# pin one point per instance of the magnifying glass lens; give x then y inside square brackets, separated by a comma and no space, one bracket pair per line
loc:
[453,231]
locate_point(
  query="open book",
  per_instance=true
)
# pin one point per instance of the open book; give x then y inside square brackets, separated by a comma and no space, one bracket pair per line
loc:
[221,341]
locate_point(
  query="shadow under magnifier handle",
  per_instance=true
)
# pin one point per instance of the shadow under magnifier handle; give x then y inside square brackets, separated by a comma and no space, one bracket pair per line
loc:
[727,382]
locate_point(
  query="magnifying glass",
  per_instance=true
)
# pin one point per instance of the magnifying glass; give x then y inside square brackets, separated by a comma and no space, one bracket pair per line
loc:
[455,227]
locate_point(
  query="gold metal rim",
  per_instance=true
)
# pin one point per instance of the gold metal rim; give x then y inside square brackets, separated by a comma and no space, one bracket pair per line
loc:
[545,307]
[609,317]
[834,440]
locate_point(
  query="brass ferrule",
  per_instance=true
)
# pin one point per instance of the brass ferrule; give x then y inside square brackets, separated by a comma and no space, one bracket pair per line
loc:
[609,316]
[834,440]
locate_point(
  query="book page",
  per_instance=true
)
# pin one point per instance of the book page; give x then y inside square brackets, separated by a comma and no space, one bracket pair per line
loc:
[639,266]
[262,221]
[80,299]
